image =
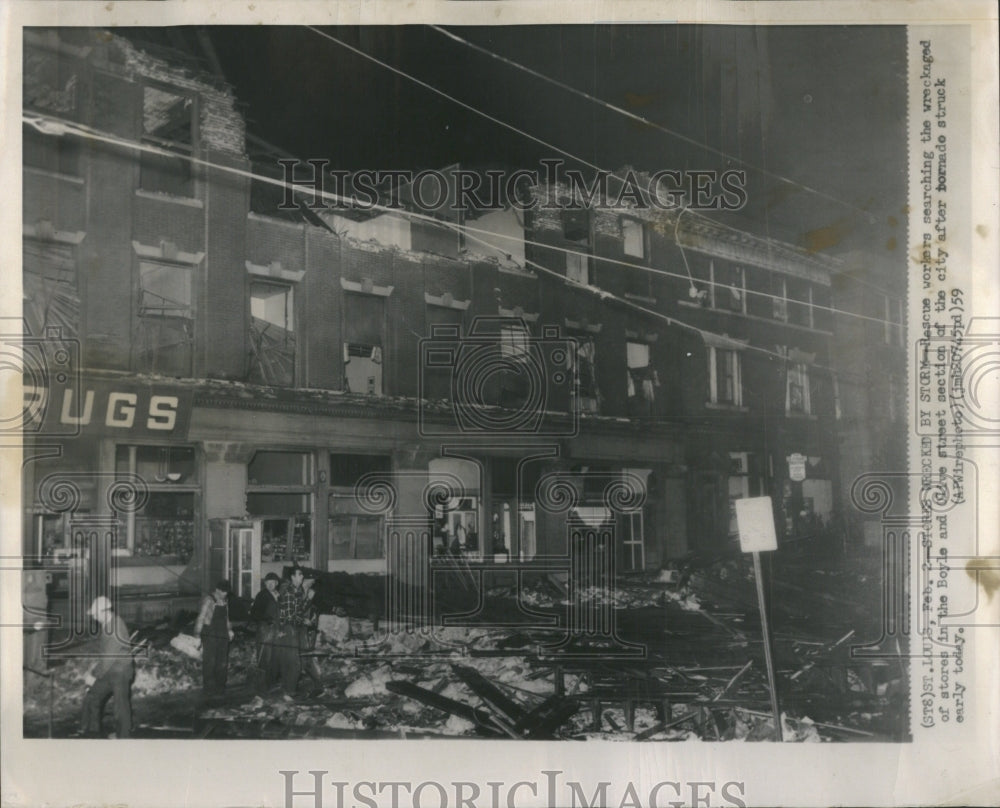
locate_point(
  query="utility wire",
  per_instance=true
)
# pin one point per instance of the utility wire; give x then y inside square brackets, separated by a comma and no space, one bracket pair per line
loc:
[58,127]
[639,118]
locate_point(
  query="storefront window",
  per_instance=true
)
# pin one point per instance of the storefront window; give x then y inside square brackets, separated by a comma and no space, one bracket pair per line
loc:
[279,493]
[165,526]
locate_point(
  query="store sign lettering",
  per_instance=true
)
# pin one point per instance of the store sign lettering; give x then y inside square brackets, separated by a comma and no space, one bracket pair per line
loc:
[121,411]
[112,409]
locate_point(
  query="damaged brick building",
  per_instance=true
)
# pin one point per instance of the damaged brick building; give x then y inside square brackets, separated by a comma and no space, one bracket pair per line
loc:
[284,385]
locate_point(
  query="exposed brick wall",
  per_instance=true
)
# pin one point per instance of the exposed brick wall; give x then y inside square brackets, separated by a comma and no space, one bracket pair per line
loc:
[221,126]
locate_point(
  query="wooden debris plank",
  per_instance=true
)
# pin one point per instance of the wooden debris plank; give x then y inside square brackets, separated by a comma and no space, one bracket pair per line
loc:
[480,718]
[491,695]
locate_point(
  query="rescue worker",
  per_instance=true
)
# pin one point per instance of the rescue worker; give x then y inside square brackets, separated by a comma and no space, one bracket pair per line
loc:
[264,613]
[215,630]
[288,637]
[112,674]
[310,626]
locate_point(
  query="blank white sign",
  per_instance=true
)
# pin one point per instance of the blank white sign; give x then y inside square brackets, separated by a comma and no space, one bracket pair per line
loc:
[755,521]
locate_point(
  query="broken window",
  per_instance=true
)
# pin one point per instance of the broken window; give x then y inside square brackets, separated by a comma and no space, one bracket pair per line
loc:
[364,327]
[634,238]
[50,287]
[576,225]
[642,379]
[166,319]
[167,126]
[725,386]
[272,334]
[797,397]
[165,525]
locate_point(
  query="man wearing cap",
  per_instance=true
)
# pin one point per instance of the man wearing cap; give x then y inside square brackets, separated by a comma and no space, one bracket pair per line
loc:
[264,613]
[215,631]
[288,637]
[111,675]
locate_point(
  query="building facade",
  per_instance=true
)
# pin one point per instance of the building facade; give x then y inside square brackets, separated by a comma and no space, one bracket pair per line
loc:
[293,386]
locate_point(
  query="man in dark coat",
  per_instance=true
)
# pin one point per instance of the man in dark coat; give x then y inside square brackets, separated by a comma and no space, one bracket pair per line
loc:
[264,615]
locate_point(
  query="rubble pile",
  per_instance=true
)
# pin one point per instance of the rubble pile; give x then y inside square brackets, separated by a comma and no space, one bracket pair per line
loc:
[685,662]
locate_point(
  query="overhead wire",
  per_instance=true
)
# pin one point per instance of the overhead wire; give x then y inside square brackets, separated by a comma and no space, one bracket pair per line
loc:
[645,121]
[55,126]
[639,118]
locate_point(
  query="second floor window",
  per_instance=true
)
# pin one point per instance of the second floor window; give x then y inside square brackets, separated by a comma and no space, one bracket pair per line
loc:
[583,361]
[725,383]
[168,124]
[642,379]
[166,319]
[272,334]
[364,325]
[798,399]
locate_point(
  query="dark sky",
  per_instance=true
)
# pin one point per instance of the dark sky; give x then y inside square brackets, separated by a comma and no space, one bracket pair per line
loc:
[823,106]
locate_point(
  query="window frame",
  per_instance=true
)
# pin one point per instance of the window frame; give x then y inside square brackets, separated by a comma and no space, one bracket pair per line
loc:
[799,371]
[713,378]
[177,148]
[191,487]
[291,316]
[628,221]
[714,284]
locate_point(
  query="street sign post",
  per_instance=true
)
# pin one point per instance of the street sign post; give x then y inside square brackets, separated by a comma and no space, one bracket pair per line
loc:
[755,522]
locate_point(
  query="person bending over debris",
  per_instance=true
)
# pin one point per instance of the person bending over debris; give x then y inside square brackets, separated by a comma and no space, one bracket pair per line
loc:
[288,636]
[111,675]
[215,630]
[264,613]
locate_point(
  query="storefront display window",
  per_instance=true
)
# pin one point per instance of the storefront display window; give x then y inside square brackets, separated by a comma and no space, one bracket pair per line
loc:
[165,527]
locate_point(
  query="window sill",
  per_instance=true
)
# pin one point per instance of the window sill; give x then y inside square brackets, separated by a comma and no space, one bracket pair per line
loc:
[711,405]
[163,196]
[802,416]
[640,298]
[518,271]
[58,175]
